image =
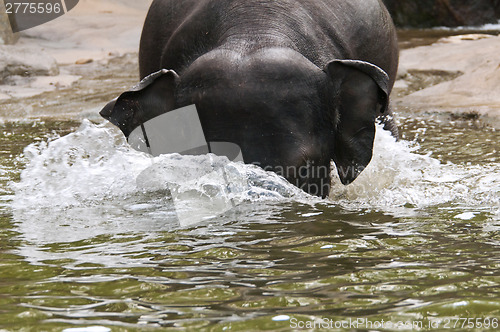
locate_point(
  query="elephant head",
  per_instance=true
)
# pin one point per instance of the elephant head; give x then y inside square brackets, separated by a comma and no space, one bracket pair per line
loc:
[285,113]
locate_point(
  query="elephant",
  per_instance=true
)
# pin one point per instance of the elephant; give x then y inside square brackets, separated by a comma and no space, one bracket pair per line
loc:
[296,84]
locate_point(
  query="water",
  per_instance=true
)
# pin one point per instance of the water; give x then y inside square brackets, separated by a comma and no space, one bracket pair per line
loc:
[409,38]
[96,234]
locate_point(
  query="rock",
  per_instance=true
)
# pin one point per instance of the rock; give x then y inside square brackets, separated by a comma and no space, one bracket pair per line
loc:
[6,35]
[25,61]
[460,38]
[450,13]
[452,77]
[83,61]
[25,87]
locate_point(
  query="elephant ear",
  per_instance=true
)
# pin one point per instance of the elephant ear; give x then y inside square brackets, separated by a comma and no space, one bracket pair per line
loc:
[153,96]
[362,96]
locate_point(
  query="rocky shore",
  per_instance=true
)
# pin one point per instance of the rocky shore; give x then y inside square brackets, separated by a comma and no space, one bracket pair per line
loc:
[458,75]
[69,67]
[89,55]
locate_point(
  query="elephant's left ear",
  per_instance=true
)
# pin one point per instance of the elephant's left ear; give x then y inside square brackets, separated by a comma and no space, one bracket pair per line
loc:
[360,96]
[153,96]
[378,75]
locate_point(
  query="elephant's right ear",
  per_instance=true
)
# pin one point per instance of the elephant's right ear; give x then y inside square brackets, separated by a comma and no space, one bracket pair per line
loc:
[153,96]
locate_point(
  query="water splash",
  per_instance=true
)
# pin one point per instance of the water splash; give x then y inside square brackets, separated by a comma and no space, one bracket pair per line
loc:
[93,174]
[90,164]
[90,184]
[95,168]
[398,180]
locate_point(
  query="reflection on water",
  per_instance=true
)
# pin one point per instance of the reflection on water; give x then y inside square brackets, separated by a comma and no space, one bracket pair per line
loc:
[89,235]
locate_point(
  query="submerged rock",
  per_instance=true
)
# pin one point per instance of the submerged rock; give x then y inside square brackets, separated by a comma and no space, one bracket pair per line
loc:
[25,61]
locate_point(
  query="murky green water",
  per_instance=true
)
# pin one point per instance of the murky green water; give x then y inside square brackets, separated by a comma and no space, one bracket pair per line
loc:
[269,264]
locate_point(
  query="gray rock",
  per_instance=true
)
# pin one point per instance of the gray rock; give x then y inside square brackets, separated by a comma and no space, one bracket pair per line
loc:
[459,74]
[6,35]
[25,61]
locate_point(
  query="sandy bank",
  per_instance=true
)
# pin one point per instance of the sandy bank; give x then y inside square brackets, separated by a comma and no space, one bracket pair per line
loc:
[93,30]
[94,49]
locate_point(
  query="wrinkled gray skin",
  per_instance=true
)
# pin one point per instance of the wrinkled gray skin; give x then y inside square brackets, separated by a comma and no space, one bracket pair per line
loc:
[270,76]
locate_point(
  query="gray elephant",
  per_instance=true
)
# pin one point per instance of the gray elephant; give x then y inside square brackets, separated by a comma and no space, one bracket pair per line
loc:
[294,83]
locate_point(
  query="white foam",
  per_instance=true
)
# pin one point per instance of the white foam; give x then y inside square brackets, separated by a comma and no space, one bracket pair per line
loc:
[398,177]
[281,318]
[93,174]
[91,164]
[490,26]
[466,216]
[88,329]
[484,27]
[95,168]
